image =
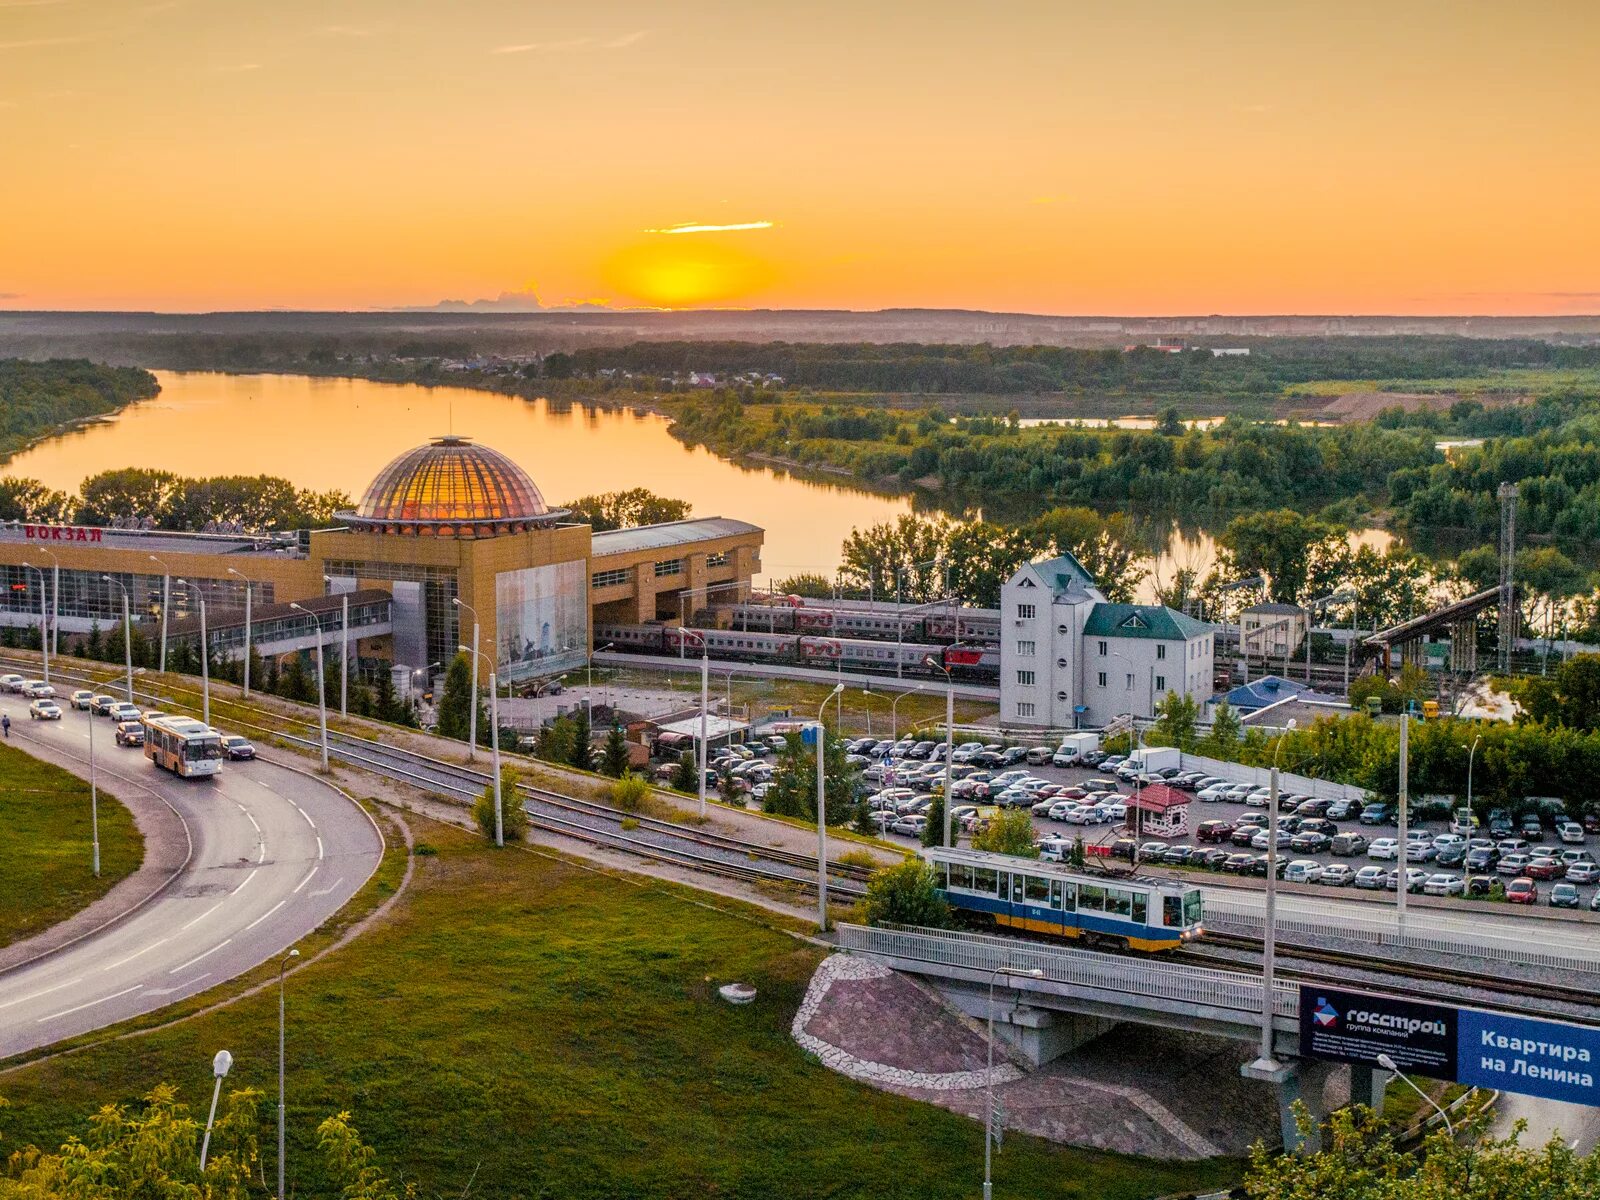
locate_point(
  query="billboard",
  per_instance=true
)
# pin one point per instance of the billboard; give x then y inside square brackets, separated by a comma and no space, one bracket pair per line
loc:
[542,620]
[1532,1057]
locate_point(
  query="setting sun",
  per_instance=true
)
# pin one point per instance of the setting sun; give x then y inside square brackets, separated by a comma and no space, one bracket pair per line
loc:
[687,272]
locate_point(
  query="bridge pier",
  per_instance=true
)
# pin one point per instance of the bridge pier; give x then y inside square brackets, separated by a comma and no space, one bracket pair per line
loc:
[1368,1086]
[1035,1035]
[1296,1079]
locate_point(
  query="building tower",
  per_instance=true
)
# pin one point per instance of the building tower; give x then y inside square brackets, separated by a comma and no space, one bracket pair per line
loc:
[1508,590]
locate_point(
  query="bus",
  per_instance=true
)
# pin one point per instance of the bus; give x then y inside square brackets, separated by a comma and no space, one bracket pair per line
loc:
[183,745]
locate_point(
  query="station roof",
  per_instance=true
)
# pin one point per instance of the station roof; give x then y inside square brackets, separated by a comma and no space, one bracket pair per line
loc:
[150,541]
[1154,621]
[716,727]
[1157,798]
[673,533]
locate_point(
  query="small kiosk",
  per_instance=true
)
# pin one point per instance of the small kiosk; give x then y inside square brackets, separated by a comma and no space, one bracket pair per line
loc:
[1158,811]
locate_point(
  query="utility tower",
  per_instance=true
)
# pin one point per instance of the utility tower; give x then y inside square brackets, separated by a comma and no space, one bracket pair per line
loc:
[1508,590]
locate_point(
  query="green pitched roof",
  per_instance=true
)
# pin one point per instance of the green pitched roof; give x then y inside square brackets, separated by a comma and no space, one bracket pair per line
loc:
[1061,572]
[1153,621]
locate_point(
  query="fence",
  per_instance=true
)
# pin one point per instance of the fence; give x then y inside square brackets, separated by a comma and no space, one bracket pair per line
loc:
[1151,978]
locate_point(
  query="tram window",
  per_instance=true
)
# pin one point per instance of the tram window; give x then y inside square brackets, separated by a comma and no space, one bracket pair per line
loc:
[1038,890]
[1191,907]
[1055,893]
[1172,911]
[1069,897]
[1091,898]
[983,881]
[961,875]
[1140,913]
[1017,894]
[1119,902]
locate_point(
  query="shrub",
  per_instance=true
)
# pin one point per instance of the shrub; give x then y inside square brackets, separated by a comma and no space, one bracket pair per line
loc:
[513,817]
[906,894]
[630,793]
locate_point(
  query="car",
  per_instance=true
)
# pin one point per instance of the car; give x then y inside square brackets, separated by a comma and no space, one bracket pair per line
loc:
[1583,872]
[1574,856]
[1013,755]
[1570,832]
[882,819]
[1420,852]
[81,699]
[1444,885]
[1498,821]
[1350,843]
[1463,822]
[1213,831]
[1150,851]
[1314,807]
[1243,835]
[1188,781]
[1317,825]
[1415,877]
[1563,895]
[1177,856]
[1256,819]
[1258,799]
[1310,843]
[1211,860]
[101,705]
[1303,870]
[1594,902]
[921,750]
[1378,814]
[1038,756]
[12,683]
[1513,864]
[1372,878]
[1511,846]
[1545,866]
[1237,864]
[1337,875]
[1532,828]
[1481,858]
[911,825]
[1522,891]
[44,709]
[236,747]
[1449,839]
[1450,856]
[1481,885]
[1264,838]
[37,689]
[130,733]
[1124,848]
[1259,866]
[1213,794]
[122,711]
[1289,825]
[1384,849]
[1064,756]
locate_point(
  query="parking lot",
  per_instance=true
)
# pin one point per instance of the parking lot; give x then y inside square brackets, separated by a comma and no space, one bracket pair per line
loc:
[1511,856]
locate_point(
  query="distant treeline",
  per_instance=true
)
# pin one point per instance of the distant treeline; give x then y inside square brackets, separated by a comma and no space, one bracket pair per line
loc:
[132,495]
[36,397]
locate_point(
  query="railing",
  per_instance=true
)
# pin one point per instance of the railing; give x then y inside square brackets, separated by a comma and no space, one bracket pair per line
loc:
[1152,978]
[1223,915]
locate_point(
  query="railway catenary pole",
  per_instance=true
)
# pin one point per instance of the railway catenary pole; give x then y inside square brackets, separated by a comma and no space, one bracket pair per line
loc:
[247,589]
[705,700]
[44,619]
[1403,820]
[822,813]
[205,653]
[894,712]
[472,718]
[988,1081]
[166,602]
[94,803]
[322,686]
[282,966]
[344,658]
[55,602]
[494,743]
[1269,926]
[127,632]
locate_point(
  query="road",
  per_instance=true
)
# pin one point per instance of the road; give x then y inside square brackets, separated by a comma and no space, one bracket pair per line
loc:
[1576,1124]
[275,853]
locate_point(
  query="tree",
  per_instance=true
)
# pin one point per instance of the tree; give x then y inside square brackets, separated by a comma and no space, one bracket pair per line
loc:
[1177,717]
[905,894]
[933,831]
[1009,832]
[558,366]
[1223,740]
[626,510]
[686,775]
[31,501]
[513,817]
[808,584]
[1107,546]
[1279,544]
[614,758]
[582,756]
[1170,423]
[794,784]
[295,682]
[455,705]
[352,1164]
[631,792]
[556,740]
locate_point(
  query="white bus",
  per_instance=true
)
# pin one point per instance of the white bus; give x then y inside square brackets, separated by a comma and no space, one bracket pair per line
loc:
[182,745]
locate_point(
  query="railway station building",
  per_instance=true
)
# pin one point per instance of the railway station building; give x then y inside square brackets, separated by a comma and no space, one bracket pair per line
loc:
[448,534]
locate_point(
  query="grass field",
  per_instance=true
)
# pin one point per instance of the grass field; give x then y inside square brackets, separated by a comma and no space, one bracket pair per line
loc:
[539,1029]
[45,845]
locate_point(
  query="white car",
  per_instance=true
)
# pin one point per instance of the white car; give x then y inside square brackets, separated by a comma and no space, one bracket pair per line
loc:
[11,683]
[38,689]
[1337,875]
[125,712]
[911,825]
[1570,832]
[81,698]
[1385,849]
[1583,872]
[964,752]
[44,709]
[1443,885]
[1062,810]
[1303,870]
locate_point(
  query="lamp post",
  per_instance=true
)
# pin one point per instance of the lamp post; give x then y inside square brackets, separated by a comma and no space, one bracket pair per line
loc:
[55,604]
[1388,1064]
[344,654]
[472,654]
[94,795]
[949,732]
[866,703]
[166,594]
[894,713]
[988,1080]
[220,1066]
[127,632]
[322,688]
[1403,819]
[44,620]
[205,654]
[282,966]
[705,701]
[588,684]
[494,743]
[822,813]
[241,575]
[1473,750]
[1269,932]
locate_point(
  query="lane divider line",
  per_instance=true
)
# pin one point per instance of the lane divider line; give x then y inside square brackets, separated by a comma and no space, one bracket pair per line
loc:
[202,916]
[253,873]
[307,879]
[45,992]
[265,915]
[103,999]
[198,957]
[137,953]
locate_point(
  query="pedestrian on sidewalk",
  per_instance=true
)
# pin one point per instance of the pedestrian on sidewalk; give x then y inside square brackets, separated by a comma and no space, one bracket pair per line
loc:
[5,724]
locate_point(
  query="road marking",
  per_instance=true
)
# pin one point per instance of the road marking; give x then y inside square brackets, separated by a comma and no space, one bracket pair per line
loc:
[103,999]
[137,953]
[330,887]
[319,847]
[265,915]
[303,813]
[46,992]
[261,854]
[305,881]
[254,872]
[198,957]
[203,915]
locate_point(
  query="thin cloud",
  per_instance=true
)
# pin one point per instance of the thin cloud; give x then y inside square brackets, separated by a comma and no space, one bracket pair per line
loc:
[739,227]
[627,39]
[529,47]
[33,43]
[236,68]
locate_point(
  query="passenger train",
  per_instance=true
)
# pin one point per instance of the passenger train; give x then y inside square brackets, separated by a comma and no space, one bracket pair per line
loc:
[963,662]
[917,623]
[1103,911]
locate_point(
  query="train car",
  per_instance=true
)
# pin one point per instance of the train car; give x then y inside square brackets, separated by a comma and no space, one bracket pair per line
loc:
[973,662]
[732,643]
[647,637]
[963,625]
[770,618]
[1103,911]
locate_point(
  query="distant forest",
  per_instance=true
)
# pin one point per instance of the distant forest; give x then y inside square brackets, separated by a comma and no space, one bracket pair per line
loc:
[36,397]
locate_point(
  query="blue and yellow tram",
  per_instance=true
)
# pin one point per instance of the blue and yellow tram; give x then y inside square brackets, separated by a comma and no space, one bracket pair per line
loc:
[1106,911]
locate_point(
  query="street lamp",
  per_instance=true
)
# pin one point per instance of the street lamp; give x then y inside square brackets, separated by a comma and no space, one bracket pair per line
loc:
[220,1066]
[866,703]
[44,620]
[822,813]
[55,602]
[322,689]
[472,719]
[344,655]
[588,685]
[166,594]
[988,1079]
[894,715]
[494,740]
[936,661]
[243,576]
[205,654]
[127,632]
[1473,750]
[1388,1064]
[1269,933]
[282,966]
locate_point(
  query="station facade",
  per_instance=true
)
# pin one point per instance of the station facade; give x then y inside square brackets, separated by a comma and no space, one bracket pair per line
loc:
[444,523]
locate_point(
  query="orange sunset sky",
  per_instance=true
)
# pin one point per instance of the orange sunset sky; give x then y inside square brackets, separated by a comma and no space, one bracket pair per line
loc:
[1138,156]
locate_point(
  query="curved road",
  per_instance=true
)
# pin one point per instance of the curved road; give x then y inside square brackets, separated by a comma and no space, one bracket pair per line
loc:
[274,854]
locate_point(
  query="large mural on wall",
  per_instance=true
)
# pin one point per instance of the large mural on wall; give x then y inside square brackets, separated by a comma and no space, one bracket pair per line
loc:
[542,615]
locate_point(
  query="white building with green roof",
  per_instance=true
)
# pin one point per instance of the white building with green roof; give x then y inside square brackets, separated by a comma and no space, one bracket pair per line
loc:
[1070,658]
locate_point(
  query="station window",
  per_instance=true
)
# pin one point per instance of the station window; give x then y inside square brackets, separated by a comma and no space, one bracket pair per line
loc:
[1161,683]
[1025,649]
[672,566]
[1101,679]
[719,560]
[1024,708]
[1026,612]
[1025,678]
[602,579]
[1161,650]
[1102,649]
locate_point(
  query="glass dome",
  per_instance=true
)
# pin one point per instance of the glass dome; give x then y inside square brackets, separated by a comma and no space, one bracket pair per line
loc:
[451,488]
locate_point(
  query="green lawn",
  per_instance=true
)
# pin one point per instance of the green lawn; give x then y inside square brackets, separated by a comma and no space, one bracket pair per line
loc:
[544,1030]
[45,845]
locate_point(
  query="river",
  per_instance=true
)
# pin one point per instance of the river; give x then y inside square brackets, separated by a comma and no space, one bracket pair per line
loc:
[326,433]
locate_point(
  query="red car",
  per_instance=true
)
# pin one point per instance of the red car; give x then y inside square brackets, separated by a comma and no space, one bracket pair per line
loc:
[1522,891]
[1545,867]
[1213,831]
